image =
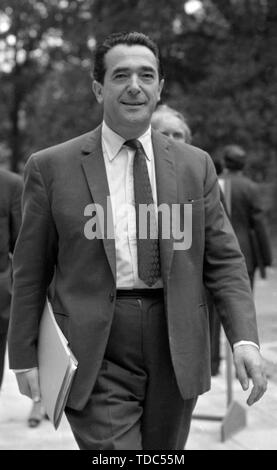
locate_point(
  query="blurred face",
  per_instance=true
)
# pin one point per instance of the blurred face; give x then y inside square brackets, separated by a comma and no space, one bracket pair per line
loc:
[172,126]
[131,89]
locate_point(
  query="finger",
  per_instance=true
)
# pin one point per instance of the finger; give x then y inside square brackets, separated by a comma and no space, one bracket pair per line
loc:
[34,385]
[242,376]
[254,396]
[258,391]
[23,384]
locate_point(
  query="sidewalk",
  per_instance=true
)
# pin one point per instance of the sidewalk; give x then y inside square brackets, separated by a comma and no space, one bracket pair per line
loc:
[261,430]
[14,431]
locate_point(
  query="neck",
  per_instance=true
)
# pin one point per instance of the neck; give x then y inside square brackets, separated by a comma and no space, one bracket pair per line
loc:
[129,133]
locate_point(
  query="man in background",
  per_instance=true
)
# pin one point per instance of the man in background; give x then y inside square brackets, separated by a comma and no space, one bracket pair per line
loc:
[171,123]
[246,212]
[10,220]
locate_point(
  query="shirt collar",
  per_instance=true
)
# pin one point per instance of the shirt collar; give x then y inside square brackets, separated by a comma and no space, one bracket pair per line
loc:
[113,142]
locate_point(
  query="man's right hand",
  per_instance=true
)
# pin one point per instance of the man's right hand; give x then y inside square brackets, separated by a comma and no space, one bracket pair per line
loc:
[28,384]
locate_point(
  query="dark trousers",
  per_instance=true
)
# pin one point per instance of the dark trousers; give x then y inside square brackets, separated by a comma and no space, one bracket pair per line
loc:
[3,341]
[136,403]
[5,300]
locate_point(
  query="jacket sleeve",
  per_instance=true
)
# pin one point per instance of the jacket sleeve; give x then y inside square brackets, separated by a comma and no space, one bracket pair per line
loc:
[225,273]
[33,267]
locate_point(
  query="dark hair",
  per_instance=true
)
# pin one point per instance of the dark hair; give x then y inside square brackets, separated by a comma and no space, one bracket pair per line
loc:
[132,38]
[234,157]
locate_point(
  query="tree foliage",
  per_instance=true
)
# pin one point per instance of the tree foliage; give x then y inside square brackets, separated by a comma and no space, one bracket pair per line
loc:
[41,37]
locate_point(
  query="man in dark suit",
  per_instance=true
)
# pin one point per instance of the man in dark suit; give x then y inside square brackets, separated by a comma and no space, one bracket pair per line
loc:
[130,302]
[10,219]
[246,212]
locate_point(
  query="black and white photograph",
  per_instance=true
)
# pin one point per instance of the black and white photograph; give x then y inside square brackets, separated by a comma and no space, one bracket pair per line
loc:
[138,227]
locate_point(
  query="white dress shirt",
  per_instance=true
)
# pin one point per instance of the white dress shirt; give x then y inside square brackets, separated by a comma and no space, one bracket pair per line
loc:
[119,168]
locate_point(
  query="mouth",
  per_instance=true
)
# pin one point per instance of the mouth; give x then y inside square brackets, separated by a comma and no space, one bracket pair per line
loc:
[125,103]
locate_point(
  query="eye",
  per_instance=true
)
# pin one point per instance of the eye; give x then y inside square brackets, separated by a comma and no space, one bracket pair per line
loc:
[120,76]
[148,76]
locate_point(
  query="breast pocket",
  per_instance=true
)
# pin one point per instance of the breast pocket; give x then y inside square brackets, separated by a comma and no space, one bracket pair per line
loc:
[184,218]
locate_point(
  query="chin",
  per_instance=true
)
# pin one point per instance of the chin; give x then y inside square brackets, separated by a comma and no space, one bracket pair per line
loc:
[138,116]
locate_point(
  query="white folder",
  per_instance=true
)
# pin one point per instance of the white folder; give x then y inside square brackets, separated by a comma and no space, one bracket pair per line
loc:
[57,366]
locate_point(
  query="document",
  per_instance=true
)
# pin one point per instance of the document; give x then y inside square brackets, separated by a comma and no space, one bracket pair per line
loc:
[57,366]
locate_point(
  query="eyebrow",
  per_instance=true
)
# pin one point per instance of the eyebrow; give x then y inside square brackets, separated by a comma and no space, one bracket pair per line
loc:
[127,69]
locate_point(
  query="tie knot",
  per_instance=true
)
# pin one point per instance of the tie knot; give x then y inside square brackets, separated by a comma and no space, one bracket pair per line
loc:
[134,144]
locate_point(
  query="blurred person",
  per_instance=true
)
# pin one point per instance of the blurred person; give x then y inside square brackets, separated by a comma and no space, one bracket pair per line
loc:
[246,212]
[10,220]
[171,123]
[132,308]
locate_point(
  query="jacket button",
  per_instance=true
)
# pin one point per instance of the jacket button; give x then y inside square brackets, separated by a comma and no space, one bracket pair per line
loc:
[111,296]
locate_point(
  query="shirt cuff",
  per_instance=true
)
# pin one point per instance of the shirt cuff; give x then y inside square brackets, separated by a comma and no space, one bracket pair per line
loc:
[18,371]
[244,343]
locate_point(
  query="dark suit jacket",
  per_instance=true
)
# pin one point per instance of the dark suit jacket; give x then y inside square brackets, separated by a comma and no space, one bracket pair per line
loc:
[10,219]
[59,183]
[248,221]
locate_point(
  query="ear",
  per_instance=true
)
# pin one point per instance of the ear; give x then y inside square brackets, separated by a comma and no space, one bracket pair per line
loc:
[161,85]
[97,88]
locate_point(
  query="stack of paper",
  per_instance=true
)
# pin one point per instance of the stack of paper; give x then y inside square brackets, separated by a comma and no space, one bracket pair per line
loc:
[57,366]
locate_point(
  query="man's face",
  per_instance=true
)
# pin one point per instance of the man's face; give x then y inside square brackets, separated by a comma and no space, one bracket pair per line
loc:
[131,89]
[172,126]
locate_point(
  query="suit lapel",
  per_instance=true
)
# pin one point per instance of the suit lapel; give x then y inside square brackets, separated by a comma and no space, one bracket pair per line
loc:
[95,173]
[167,194]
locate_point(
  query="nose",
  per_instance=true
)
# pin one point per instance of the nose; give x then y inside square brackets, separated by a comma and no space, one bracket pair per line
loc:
[133,86]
